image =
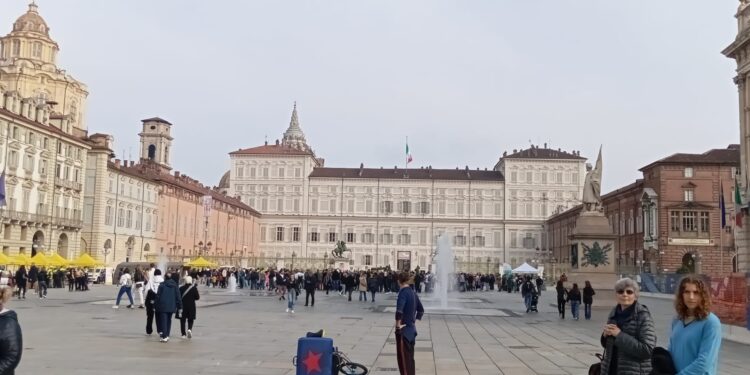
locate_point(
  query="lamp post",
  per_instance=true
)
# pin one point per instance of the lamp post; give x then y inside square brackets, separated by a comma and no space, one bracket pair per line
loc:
[294,254]
[325,260]
[488,264]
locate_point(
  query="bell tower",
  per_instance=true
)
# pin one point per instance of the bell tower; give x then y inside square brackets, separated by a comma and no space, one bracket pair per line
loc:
[156,142]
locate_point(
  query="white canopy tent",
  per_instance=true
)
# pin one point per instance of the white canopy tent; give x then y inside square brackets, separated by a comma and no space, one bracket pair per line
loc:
[525,268]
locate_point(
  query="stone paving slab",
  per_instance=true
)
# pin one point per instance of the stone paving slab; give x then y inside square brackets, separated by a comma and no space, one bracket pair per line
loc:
[249,333]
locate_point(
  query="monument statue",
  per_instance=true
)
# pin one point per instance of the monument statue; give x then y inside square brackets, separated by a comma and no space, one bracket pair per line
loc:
[592,187]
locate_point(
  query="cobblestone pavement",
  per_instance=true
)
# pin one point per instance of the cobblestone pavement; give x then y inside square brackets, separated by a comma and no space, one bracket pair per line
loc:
[249,333]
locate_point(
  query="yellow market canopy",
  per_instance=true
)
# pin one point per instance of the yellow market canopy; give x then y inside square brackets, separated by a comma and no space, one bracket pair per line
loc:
[20,260]
[201,262]
[4,260]
[85,260]
[56,260]
[39,260]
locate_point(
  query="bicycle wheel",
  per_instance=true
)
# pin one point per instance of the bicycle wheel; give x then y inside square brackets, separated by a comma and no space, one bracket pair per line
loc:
[351,368]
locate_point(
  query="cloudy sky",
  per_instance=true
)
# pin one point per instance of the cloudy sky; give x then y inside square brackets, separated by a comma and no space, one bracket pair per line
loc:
[464,80]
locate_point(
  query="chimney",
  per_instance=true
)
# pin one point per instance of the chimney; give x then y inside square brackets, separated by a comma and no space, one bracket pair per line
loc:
[132,163]
[177,174]
[117,163]
[515,150]
[266,142]
[361,169]
[545,145]
[277,142]
[505,153]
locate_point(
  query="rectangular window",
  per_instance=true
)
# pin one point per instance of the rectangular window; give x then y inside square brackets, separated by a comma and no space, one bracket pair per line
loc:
[513,238]
[704,222]
[387,207]
[350,206]
[459,208]
[405,207]
[16,47]
[350,237]
[120,217]
[689,195]
[252,172]
[479,209]
[688,172]
[314,237]
[459,239]
[281,172]
[297,172]
[332,236]
[423,237]
[295,234]
[265,172]
[332,208]
[688,221]
[279,234]
[529,177]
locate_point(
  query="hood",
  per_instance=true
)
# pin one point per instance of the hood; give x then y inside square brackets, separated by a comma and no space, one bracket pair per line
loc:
[170,284]
[8,314]
[155,282]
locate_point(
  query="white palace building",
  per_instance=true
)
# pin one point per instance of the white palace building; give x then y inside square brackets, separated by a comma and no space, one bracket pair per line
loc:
[391,216]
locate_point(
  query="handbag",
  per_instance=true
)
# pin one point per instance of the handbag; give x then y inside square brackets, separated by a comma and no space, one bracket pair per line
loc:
[596,368]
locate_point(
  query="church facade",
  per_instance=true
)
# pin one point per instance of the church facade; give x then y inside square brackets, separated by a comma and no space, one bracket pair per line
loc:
[393,217]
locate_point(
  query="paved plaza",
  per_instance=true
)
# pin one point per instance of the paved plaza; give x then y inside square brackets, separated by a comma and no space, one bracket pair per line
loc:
[244,333]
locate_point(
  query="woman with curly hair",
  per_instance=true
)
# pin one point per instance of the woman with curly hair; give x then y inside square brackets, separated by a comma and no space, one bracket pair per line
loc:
[696,331]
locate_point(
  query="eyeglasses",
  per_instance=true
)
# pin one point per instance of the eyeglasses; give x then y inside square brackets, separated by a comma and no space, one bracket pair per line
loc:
[625,291]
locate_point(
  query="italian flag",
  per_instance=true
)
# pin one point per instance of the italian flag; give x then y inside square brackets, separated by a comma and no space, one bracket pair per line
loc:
[408,154]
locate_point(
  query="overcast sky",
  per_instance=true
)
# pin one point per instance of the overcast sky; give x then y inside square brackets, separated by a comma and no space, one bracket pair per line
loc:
[464,80]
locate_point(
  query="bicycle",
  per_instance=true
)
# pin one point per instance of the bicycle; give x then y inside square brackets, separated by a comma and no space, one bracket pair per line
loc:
[341,363]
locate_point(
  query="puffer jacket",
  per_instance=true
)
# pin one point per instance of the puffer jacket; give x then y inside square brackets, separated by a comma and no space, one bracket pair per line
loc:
[168,298]
[11,342]
[634,344]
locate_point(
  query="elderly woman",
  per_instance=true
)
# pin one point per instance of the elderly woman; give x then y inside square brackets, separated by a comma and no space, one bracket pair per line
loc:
[696,331]
[10,335]
[628,336]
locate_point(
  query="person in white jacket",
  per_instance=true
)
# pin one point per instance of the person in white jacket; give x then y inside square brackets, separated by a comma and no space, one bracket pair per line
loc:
[152,287]
[126,287]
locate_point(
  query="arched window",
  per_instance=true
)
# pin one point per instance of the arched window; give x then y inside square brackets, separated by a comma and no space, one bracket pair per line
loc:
[151,152]
[36,50]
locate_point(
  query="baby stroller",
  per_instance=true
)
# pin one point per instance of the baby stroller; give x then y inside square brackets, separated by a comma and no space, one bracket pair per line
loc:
[534,302]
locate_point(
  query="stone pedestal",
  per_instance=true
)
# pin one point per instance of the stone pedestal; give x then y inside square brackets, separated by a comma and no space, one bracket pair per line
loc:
[592,253]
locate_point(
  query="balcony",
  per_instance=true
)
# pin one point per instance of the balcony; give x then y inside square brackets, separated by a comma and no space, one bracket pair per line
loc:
[24,217]
[68,223]
[68,184]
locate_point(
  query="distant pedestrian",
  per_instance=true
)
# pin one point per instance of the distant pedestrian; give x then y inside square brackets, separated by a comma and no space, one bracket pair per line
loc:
[588,299]
[21,277]
[696,332]
[362,286]
[408,310]
[562,297]
[126,286]
[168,301]
[189,293]
[11,340]
[311,281]
[42,280]
[574,296]
[292,292]
[139,281]
[527,292]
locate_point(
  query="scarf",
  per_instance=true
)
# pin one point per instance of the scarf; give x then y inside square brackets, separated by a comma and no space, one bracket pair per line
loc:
[622,315]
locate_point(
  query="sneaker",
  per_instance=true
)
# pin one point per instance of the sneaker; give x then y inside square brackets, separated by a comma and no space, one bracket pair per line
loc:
[141,307]
[184,337]
[115,307]
[163,339]
[130,306]
[287,309]
[291,311]
[166,339]
[189,334]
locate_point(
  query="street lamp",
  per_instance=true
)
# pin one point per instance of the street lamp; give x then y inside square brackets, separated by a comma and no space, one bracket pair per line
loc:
[293,256]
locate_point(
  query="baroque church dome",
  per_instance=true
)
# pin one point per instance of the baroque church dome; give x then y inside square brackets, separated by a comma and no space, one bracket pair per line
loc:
[293,136]
[31,21]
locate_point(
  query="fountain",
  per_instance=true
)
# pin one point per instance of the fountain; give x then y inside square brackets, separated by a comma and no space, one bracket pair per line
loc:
[162,265]
[232,282]
[444,267]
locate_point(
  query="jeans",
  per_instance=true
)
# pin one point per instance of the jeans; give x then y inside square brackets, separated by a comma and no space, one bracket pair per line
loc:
[362,295]
[291,296]
[574,308]
[372,294]
[139,286]
[165,323]
[527,301]
[587,311]
[42,289]
[124,290]
[337,285]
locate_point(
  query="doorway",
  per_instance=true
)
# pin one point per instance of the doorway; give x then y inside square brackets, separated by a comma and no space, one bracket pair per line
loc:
[404,261]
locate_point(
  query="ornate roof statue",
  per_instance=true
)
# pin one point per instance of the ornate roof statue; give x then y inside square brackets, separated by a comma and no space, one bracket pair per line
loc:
[293,136]
[592,187]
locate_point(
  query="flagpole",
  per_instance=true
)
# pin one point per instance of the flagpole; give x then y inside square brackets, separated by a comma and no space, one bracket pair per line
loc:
[406,158]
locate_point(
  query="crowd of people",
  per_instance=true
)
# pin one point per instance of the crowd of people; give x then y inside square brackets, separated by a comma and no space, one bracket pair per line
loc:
[39,279]
[628,338]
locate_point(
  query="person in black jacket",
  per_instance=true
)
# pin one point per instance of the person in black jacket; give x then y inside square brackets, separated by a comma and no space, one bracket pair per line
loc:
[189,293]
[574,296]
[21,277]
[588,300]
[629,337]
[562,297]
[311,281]
[11,340]
[42,283]
[167,302]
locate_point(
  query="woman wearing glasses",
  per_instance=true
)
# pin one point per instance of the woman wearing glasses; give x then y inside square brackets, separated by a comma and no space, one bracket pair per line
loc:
[628,337]
[696,331]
